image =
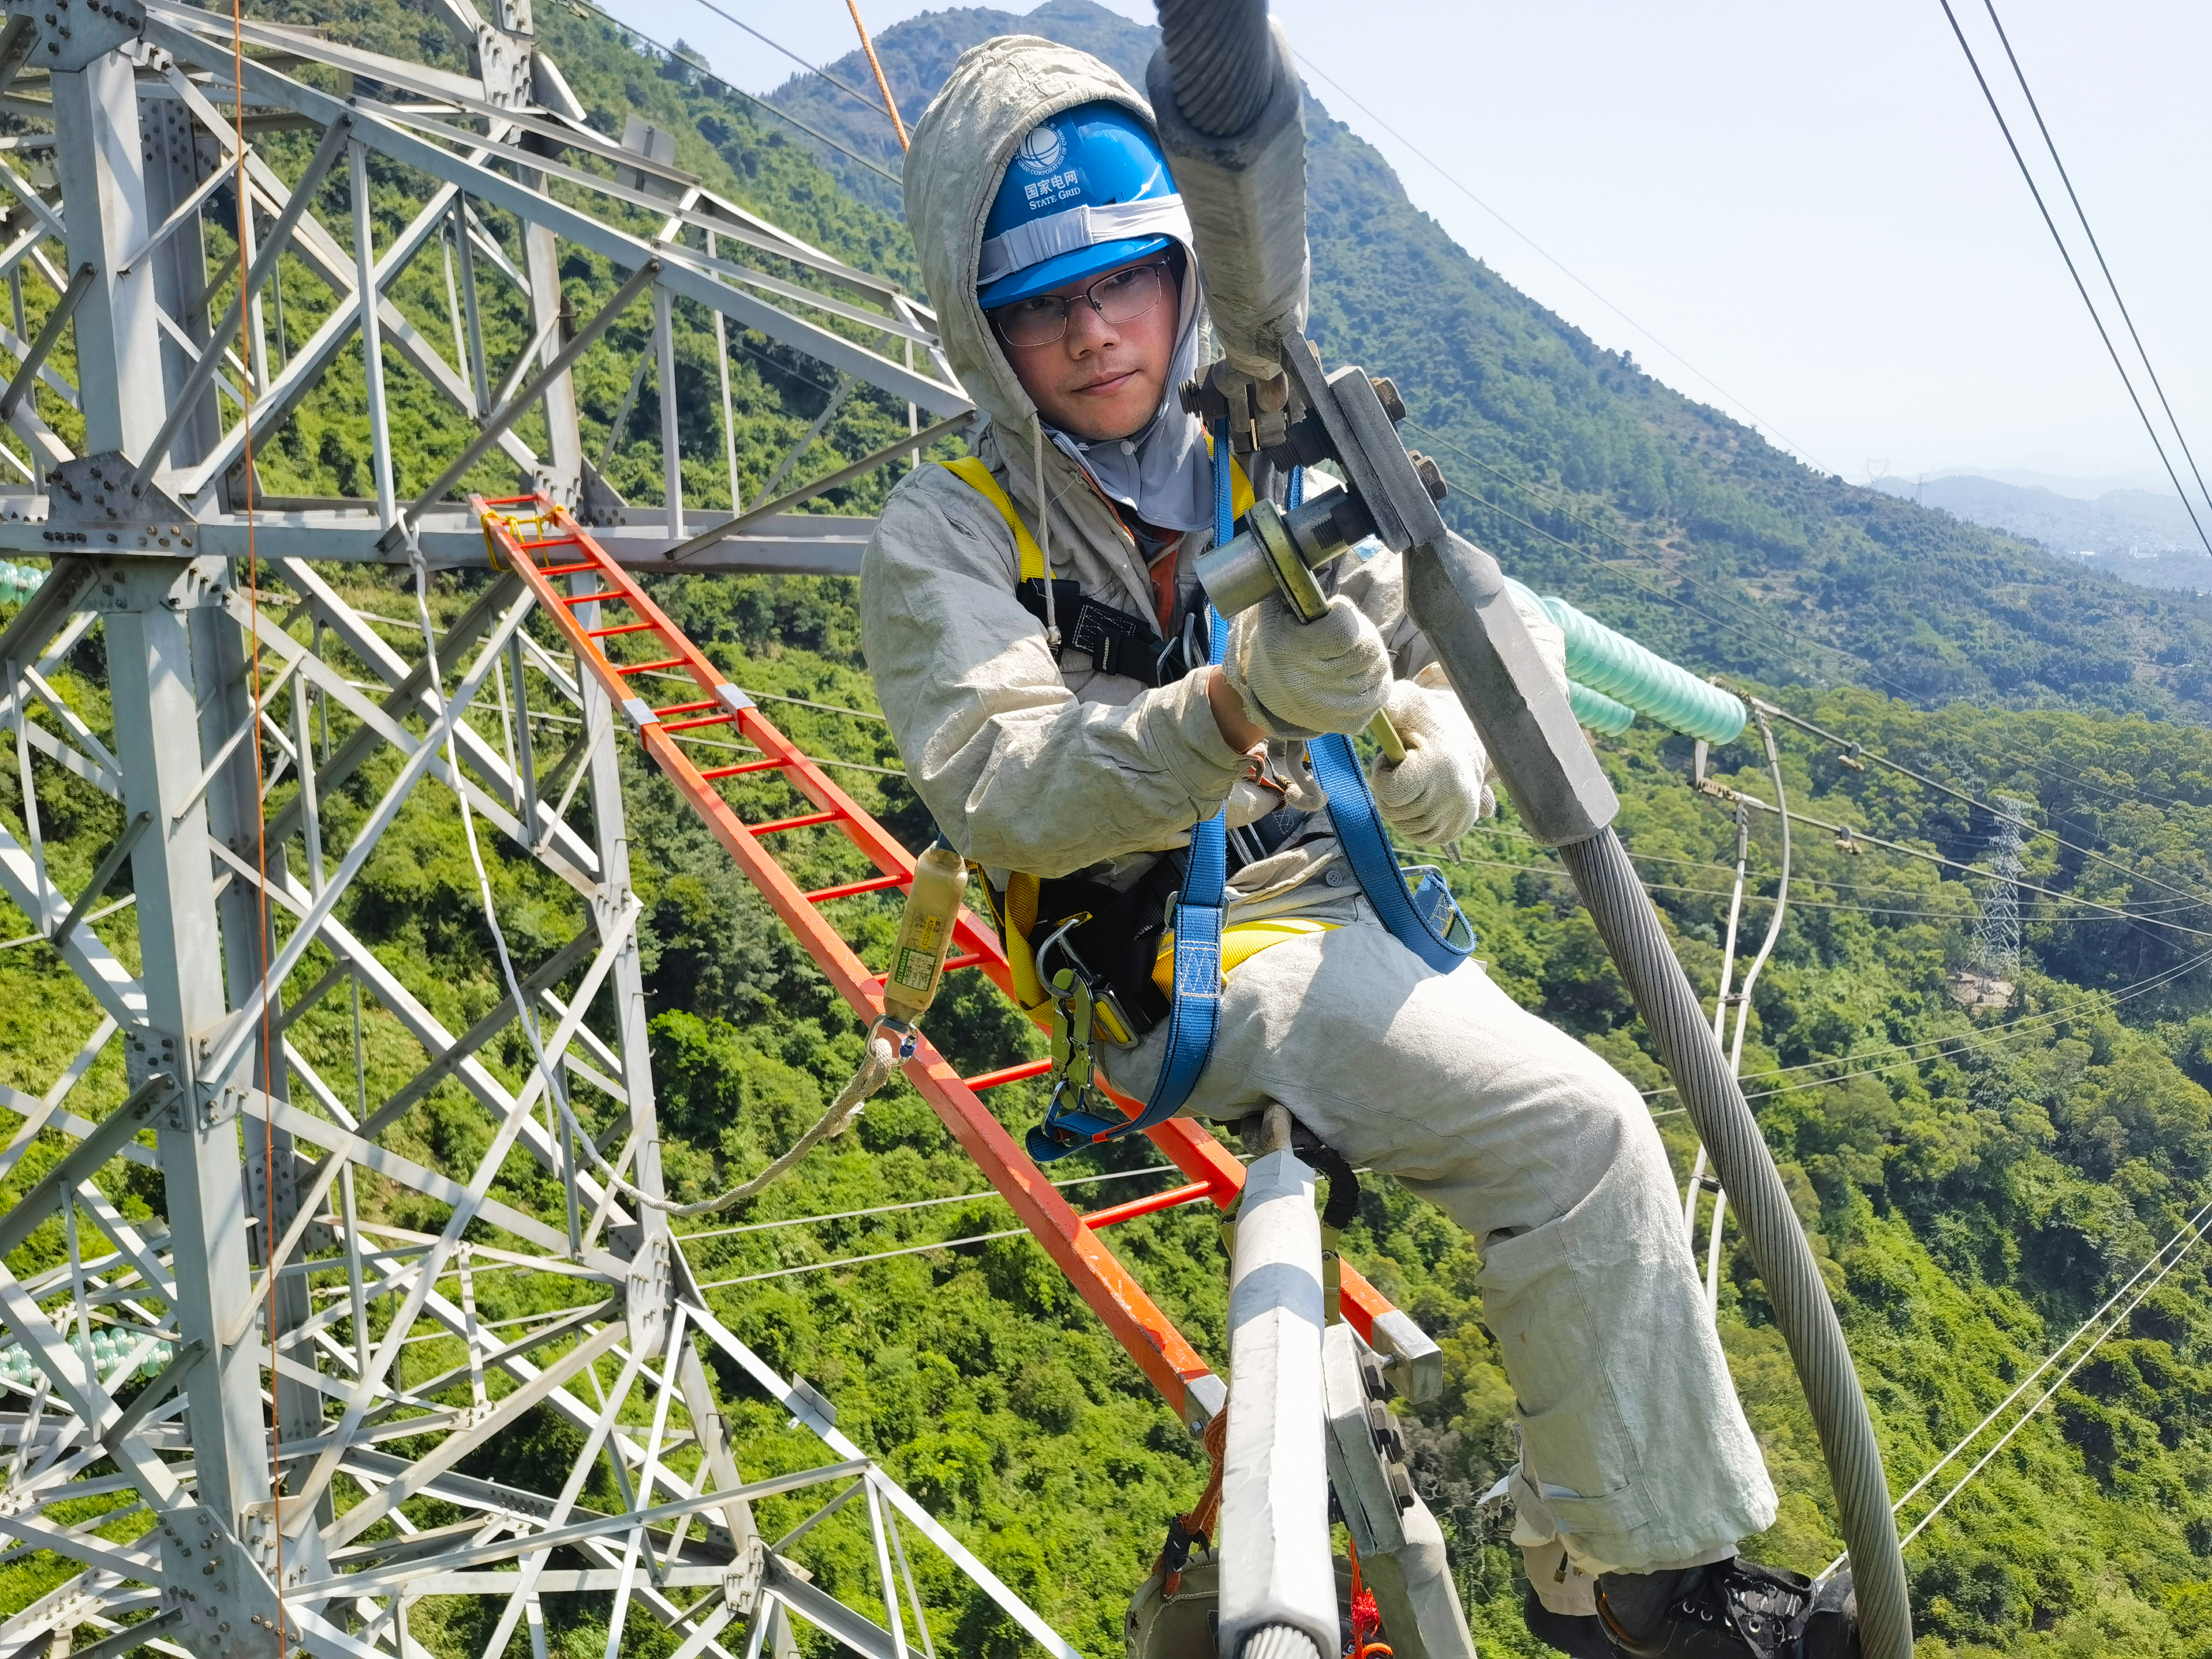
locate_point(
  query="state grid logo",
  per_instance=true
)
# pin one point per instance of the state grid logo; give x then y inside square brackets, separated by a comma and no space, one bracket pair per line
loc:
[1041,150]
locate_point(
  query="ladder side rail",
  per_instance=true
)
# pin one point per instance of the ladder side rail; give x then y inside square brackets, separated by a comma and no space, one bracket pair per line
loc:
[1185,1143]
[1150,1337]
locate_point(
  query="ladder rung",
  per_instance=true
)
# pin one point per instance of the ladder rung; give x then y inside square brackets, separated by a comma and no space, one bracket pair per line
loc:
[648,667]
[587,599]
[824,895]
[1137,1206]
[746,766]
[682,708]
[566,569]
[800,823]
[703,719]
[1006,1074]
[620,628]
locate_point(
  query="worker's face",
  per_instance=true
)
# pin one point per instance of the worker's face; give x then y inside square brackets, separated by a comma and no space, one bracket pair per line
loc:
[1102,378]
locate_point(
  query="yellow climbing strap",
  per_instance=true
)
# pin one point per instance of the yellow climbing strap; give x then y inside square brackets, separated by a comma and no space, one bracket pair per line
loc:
[971,471]
[1239,943]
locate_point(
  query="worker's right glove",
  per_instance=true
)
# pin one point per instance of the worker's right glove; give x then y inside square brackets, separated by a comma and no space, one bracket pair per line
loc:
[1301,679]
[1434,795]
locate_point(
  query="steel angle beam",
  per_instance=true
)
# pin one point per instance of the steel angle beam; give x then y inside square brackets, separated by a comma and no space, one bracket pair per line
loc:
[627,252]
[810,544]
[253,988]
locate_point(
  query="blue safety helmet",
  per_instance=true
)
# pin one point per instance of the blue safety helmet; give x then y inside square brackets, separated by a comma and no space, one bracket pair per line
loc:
[1095,155]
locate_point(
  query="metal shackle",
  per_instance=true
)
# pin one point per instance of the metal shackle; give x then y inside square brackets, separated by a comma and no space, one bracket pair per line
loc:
[1277,553]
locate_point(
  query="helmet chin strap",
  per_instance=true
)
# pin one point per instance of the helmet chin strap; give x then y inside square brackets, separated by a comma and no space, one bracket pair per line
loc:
[1044,536]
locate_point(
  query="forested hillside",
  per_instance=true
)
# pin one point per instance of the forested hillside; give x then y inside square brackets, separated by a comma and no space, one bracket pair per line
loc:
[1975,1185]
[1589,476]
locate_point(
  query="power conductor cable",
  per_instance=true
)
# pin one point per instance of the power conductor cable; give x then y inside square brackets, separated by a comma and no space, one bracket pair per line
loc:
[2080,287]
[2065,177]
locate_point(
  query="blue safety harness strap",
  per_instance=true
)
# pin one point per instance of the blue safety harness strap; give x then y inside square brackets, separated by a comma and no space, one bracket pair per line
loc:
[1366,842]
[1194,1010]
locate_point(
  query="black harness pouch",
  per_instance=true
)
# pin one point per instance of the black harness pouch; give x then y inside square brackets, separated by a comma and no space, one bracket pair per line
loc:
[1116,642]
[1120,941]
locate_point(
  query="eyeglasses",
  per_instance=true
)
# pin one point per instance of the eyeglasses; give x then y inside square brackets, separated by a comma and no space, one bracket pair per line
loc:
[1120,296]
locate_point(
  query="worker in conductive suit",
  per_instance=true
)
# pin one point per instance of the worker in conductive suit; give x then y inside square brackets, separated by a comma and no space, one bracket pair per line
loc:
[1075,732]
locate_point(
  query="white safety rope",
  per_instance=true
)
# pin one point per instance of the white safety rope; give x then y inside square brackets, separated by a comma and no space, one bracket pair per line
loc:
[1044,540]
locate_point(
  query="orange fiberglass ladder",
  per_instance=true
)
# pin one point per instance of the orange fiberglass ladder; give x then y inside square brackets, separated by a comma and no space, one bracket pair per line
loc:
[542,543]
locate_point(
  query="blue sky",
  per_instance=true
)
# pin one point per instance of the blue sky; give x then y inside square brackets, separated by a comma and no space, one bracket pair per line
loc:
[1810,204]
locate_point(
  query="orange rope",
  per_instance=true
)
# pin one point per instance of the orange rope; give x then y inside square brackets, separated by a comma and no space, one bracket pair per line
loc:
[891,105]
[244,194]
[1362,1648]
[1201,1520]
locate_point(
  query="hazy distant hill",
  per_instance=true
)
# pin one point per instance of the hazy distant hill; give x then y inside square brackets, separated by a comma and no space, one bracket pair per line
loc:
[2139,535]
[1590,479]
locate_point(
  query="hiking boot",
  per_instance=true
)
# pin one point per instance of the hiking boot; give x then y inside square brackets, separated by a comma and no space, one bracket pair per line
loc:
[1731,1609]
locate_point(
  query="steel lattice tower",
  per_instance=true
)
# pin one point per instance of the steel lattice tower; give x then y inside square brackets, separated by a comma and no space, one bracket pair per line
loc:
[261,1300]
[1997,935]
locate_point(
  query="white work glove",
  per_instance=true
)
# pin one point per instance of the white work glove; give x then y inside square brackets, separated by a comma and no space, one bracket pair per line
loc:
[1434,795]
[1303,680]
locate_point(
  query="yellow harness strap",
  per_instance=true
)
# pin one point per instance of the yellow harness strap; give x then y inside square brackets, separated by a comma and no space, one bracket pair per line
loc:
[1238,944]
[971,471]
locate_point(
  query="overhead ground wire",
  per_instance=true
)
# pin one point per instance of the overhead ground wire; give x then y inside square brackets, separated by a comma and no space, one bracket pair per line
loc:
[1860,751]
[845,87]
[1889,846]
[917,1204]
[1962,1043]
[1883,844]
[1438,168]
[1818,881]
[2066,254]
[2191,1232]
[1754,898]
[2081,214]
[732,86]
[856,1261]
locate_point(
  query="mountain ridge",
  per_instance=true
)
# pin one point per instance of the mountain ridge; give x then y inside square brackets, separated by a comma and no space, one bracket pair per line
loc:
[1656,513]
[2140,536]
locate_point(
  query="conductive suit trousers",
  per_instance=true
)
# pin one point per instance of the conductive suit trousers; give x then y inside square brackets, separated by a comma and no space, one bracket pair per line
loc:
[1630,1426]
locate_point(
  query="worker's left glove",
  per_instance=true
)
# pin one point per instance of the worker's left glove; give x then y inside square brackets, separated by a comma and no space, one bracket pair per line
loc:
[1434,795]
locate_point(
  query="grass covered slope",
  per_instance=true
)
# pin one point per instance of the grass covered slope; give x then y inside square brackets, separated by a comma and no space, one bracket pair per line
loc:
[1588,476]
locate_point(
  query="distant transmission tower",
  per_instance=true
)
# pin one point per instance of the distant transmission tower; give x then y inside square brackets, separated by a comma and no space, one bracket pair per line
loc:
[1997,937]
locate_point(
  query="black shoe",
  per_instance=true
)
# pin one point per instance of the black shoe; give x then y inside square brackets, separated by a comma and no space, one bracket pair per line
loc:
[1582,1638]
[1732,1609]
